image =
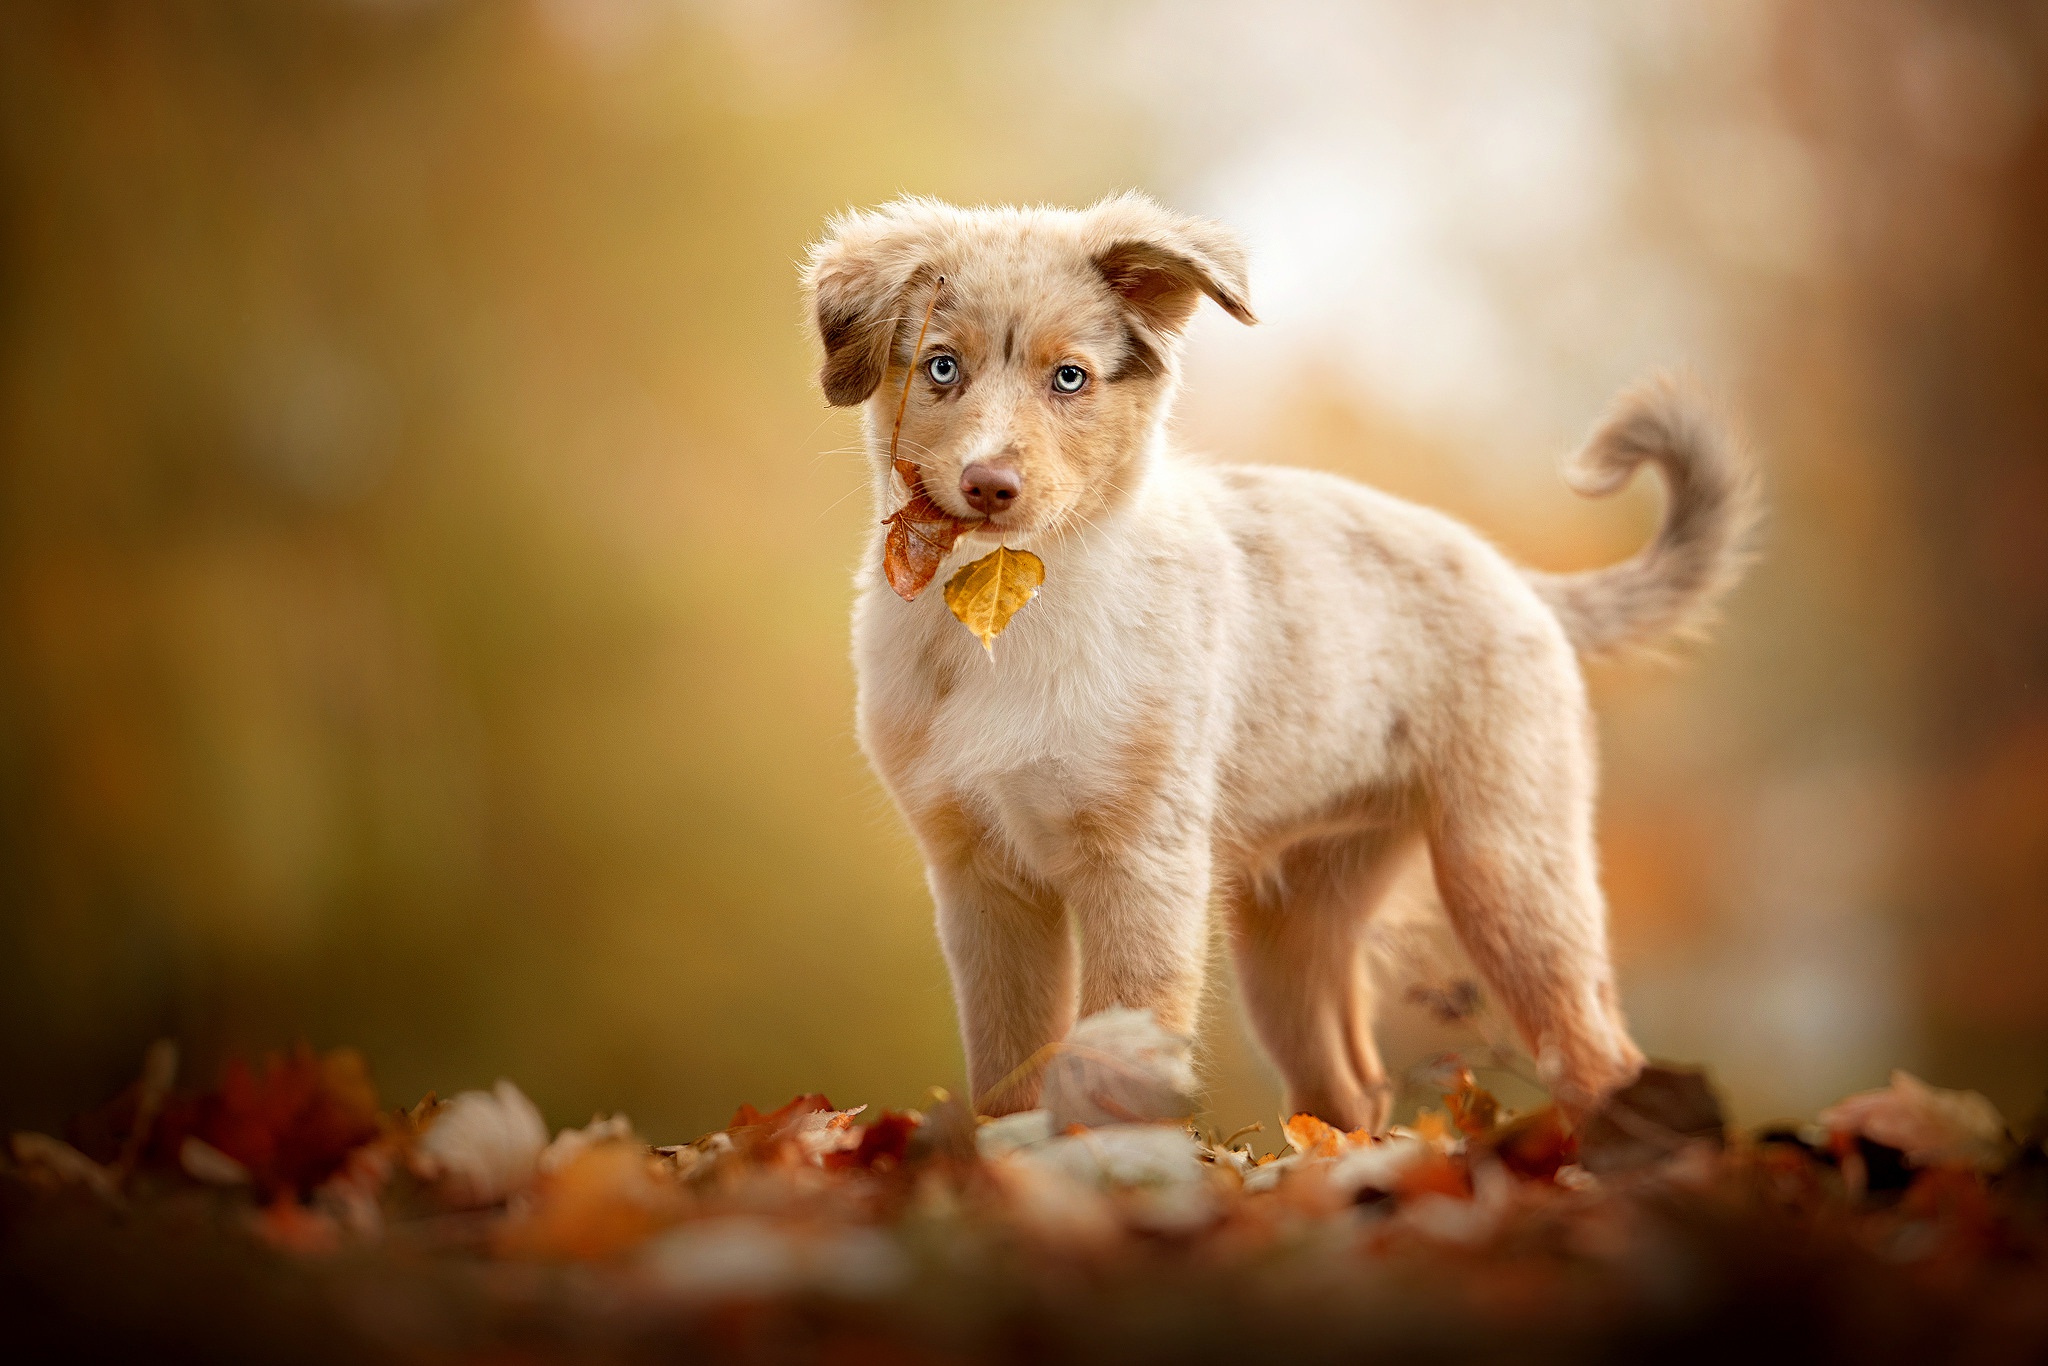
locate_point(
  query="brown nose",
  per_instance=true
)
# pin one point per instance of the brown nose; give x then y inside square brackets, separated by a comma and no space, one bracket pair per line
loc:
[990,489]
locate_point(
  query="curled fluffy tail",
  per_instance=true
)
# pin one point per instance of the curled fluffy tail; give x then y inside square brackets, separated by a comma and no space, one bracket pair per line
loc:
[1670,589]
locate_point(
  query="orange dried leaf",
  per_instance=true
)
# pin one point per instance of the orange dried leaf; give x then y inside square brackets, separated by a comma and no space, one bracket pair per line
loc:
[747,1117]
[921,535]
[1473,1108]
[986,594]
[608,1198]
[1313,1137]
[1435,1175]
[290,1124]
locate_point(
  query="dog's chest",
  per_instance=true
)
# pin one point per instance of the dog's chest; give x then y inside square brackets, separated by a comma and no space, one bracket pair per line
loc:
[1029,736]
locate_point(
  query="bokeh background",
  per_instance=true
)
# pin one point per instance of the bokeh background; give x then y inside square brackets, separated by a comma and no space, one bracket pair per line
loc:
[424,553]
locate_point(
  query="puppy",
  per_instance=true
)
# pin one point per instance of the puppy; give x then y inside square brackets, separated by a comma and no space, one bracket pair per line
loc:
[1262,689]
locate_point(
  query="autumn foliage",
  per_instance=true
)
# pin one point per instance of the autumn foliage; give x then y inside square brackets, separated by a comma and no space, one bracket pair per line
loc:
[1907,1222]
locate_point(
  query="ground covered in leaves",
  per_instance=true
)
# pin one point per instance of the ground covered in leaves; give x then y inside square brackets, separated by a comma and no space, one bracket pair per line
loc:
[285,1213]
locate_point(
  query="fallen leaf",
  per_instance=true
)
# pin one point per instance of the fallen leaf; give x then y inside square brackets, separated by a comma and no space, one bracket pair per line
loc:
[352,1196]
[1012,1132]
[1120,1066]
[1121,1155]
[1313,1137]
[1535,1147]
[1380,1165]
[53,1163]
[208,1165]
[289,1226]
[882,1145]
[607,1197]
[775,1121]
[571,1142]
[805,1130]
[1435,1174]
[987,593]
[1433,1127]
[948,1130]
[1931,1126]
[290,1124]
[482,1146]
[1660,1112]
[1473,1108]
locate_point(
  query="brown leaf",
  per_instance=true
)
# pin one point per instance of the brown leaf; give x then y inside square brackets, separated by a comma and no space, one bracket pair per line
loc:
[776,1121]
[291,1124]
[987,593]
[1534,1147]
[52,1163]
[921,535]
[1655,1115]
[882,1145]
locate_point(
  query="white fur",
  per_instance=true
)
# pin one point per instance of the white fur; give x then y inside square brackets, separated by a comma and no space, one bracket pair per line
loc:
[1269,689]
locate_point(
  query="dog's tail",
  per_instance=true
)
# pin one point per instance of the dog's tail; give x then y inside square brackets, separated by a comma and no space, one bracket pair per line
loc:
[1672,587]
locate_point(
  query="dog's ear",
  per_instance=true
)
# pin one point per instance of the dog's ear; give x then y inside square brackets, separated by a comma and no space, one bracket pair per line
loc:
[858,278]
[1161,263]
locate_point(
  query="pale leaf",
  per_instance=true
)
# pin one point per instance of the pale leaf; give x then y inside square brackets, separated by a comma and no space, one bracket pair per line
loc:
[1120,1066]
[483,1146]
[1931,1126]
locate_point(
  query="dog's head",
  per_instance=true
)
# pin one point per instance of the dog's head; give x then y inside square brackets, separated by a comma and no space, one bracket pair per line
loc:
[1051,352]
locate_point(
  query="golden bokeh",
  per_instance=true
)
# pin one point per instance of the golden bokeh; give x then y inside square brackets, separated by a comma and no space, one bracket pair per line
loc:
[424,553]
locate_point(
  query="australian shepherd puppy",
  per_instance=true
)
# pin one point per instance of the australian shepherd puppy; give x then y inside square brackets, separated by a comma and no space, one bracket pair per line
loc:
[1265,690]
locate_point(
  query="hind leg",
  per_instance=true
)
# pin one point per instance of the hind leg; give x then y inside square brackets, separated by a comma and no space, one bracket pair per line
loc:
[1297,933]
[1513,848]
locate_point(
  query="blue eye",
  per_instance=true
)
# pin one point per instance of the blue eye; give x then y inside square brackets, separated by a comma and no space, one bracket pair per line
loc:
[1068,379]
[943,370]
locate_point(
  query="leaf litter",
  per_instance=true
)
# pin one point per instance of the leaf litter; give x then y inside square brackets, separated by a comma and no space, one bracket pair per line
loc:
[1908,1223]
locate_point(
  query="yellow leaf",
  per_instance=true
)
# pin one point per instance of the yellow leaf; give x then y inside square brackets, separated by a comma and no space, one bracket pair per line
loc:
[987,593]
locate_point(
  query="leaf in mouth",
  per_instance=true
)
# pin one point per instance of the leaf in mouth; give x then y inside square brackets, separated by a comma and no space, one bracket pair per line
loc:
[987,593]
[921,535]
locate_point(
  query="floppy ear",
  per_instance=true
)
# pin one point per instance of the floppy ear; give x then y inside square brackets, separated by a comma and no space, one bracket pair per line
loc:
[1161,264]
[858,278]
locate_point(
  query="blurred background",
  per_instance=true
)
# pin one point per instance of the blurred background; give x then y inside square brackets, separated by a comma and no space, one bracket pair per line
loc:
[424,552]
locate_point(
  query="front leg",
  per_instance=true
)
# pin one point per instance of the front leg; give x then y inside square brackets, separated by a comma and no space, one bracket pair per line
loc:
[1141,904]
[1010,952]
